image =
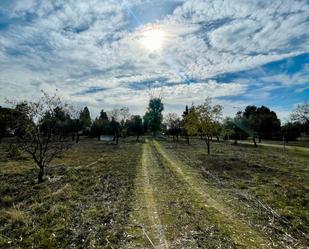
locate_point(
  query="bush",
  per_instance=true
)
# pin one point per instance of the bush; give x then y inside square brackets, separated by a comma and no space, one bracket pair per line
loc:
[14,152]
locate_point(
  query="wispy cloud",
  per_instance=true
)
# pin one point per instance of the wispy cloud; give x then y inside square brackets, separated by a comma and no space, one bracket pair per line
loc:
[90,50]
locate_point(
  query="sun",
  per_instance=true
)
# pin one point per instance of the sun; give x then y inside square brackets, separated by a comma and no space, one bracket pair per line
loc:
[152,38]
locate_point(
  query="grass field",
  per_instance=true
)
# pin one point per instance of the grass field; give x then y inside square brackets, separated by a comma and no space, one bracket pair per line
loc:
[158,194]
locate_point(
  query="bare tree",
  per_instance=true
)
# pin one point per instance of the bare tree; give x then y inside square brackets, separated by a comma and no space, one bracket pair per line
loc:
[173,124]
[301,114]
[39,132]
[114,116]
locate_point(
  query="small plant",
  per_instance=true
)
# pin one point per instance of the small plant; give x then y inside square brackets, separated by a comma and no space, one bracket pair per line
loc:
[14,152]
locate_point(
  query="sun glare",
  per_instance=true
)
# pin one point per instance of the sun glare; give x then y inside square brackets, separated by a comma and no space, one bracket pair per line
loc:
[152,39]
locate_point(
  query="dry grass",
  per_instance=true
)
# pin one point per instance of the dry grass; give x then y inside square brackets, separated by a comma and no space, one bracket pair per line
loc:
[80,204]
[268,186]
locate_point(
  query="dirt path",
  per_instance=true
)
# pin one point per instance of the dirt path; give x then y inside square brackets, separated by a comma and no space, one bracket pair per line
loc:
[243,235]
[175,208]
[279,146]
[150,233]
[153,216]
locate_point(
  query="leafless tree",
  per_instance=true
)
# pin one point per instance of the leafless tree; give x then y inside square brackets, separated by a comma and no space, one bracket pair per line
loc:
[301,114]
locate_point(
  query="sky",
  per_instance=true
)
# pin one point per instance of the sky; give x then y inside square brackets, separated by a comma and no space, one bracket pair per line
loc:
[98,53]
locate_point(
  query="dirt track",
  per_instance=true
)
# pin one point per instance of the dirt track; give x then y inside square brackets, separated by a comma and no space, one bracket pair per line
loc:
[165,183]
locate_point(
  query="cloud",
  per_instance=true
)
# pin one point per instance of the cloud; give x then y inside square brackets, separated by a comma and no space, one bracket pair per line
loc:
[81,47]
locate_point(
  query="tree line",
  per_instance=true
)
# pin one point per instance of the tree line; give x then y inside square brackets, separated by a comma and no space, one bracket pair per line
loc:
[206,120]
[49,126]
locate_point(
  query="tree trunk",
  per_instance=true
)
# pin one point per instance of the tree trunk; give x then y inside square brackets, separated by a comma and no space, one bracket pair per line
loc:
[255,145]
[218,139]
[174,138]
[207,140]
[235,140]
[77,138]
[41,174]
[73,136]
[117,139]
[137,138]
[187,138]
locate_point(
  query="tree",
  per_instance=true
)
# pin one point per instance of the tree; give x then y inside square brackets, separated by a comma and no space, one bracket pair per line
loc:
[153,116]
[234,128]
[291,131]
[208,120]
[103,115]
[114,116]
[115,127]
[101,125]
[136,126]
[75,126]
[268,123]
[85,119]
[124,115]
[184,130]
[38,131]
[173,124]
[7,116]
[228,128]
[203,119]
[301,115]
[3,122]
[260,122]
[190,122]
[250,122]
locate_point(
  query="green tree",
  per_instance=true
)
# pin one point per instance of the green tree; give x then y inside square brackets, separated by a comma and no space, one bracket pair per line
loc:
[183,128]
[190,122]
[7,119]
[101,125]
[135,125]
[103,115]
[291,131]
[208,120]
[260,122]
[85,119]
[154,116]
[203,119]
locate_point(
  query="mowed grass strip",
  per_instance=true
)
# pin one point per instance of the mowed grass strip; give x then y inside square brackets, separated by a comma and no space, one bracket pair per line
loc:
[267,186]
[242,234]
[80,206]
[146,227]
[186,223]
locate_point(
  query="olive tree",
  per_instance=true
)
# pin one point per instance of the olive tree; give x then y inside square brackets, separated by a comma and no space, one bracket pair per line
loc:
[208,120]
[190,122]
[205,120]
